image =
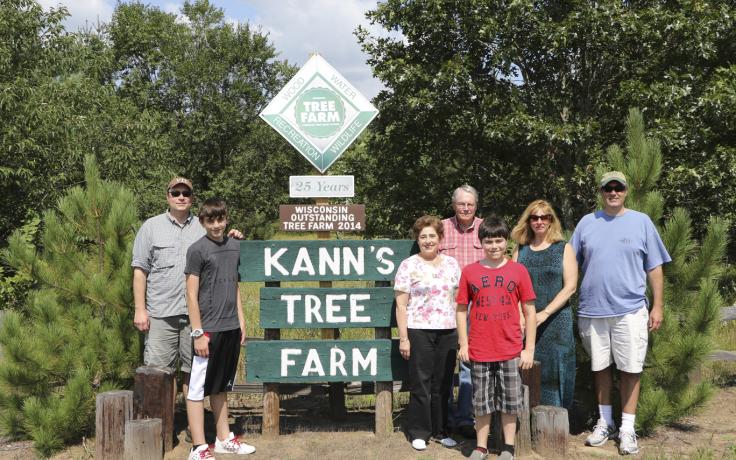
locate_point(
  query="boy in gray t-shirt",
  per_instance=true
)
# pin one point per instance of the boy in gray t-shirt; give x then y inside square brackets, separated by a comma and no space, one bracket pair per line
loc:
[218,329]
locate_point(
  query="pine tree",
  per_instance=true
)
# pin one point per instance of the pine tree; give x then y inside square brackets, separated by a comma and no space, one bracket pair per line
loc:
[692,300]
[73,337]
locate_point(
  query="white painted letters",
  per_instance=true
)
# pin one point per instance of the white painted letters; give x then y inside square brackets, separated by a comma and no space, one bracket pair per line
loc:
[371,360]
[286,361]
[355,308]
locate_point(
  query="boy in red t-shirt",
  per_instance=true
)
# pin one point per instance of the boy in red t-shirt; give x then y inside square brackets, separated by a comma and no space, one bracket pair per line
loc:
[495,285]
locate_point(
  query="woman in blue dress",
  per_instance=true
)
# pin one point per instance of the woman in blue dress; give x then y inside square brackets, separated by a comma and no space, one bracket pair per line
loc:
[554,271]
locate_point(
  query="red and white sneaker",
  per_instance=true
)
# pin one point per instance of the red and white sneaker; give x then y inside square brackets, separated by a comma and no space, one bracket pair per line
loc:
[232,446]
[202,452]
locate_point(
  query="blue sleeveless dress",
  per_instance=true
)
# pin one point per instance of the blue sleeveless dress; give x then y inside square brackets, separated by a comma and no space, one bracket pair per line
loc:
[555,347]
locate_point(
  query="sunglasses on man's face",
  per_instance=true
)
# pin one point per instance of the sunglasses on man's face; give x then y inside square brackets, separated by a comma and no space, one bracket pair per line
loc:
[543,218]
[613,188]
[176,193]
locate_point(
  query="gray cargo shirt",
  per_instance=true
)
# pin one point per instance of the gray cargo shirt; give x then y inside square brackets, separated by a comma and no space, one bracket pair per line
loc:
[160,250]
[216,264]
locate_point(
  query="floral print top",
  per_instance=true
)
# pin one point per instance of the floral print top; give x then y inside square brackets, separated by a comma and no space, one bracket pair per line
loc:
[431,291]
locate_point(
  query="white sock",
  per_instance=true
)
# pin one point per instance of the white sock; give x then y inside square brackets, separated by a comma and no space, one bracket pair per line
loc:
[627,422]
[606,413]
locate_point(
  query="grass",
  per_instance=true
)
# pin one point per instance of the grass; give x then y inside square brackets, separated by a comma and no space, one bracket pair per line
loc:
[723,373]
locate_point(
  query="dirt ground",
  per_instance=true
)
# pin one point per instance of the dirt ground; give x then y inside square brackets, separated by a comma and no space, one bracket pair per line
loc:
[309,434]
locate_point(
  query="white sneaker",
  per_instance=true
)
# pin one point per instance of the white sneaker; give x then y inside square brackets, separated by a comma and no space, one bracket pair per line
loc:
[202,452]
[448,442]
[601,433]
[627,443]
[419,444]
[232,446]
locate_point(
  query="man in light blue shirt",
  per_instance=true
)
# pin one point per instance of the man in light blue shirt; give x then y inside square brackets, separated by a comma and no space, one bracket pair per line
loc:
[618,250]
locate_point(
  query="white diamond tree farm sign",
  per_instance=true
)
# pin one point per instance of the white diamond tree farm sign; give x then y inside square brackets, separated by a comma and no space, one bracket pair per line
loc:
[319,113]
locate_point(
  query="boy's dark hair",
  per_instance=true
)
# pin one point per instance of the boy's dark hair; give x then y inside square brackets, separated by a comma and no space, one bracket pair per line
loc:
[493,227]
[212,208]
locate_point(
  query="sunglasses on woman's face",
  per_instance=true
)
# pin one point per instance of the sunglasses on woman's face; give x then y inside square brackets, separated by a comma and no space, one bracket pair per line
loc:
[543,218]
[176,193]
[613,188]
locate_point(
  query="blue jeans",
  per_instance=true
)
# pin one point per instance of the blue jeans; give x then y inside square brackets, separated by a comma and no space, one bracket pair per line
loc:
[460,412]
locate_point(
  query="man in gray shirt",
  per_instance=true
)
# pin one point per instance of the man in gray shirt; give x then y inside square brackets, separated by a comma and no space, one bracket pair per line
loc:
[159,257]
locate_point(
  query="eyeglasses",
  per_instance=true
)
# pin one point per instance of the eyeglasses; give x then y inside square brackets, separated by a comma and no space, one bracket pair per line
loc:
[610,188]
[543,217]
[184,193]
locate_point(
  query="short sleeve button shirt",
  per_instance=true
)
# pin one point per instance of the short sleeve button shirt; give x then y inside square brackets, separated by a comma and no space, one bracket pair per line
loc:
[461,244]
[431,292]
[160,250]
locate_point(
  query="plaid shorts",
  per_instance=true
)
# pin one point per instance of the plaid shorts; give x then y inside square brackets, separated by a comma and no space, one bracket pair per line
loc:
[496,387]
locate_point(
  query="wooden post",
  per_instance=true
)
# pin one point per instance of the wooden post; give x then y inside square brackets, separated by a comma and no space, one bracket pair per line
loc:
[271,424]
[533,379]
[337,389]
[384,390]
[112,410]
[523,440]
[153,397]
[550,427]
[143,440]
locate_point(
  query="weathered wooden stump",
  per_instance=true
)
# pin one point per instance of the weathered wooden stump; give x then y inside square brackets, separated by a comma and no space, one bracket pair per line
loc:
[550,427]
[143,440]
[533,379]
[112,410]
[523,439]
[153,397]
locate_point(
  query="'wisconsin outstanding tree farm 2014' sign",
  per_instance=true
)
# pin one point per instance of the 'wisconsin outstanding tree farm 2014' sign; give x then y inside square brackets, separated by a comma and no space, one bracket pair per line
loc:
[319,113]
[322,217]
[324,360]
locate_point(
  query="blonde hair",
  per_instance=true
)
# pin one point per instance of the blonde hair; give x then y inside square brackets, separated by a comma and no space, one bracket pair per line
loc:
[522,232]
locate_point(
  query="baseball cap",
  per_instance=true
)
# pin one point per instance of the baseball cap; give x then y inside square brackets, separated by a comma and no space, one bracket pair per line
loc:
[179,180]
[611,176]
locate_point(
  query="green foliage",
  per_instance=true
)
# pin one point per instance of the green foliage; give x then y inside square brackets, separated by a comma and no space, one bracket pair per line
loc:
[692,300]
[14,285]
[520,98]
[72,336]
[149,96]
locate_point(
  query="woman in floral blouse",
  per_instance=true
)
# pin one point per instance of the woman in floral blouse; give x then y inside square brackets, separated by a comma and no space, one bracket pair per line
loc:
[425,286]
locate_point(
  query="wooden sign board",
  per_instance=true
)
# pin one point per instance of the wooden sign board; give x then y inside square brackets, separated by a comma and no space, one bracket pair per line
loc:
[322,217]
[283,308]
[279,361]
[323,260]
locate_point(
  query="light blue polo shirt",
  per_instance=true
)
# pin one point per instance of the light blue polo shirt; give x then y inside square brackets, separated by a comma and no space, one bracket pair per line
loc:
[615,254]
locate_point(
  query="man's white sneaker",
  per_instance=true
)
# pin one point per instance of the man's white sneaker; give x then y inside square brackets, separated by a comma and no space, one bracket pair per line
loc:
[232,446]
[601,433]
[419,444]
[627,443]
[201,453]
